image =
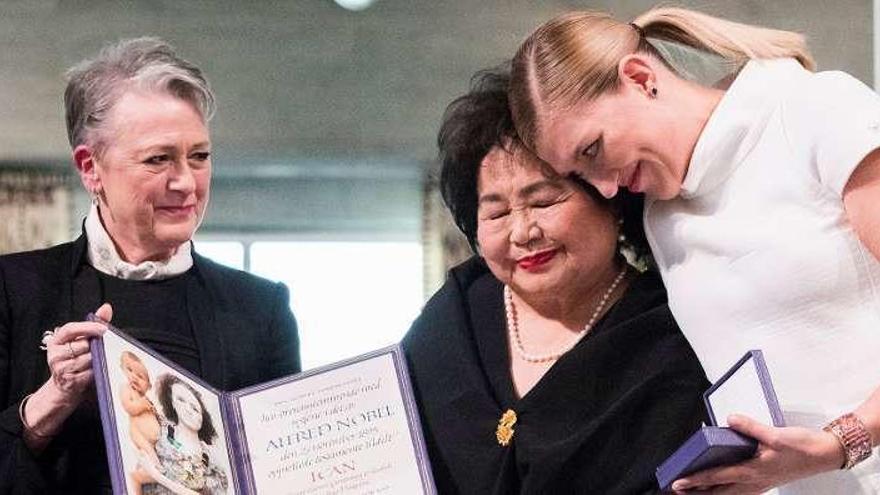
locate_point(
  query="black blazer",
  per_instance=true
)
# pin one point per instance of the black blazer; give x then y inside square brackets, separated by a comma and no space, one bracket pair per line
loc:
[599,421]
[243,326]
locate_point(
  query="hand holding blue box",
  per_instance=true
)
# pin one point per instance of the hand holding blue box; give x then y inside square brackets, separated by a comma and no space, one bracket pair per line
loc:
[745,389]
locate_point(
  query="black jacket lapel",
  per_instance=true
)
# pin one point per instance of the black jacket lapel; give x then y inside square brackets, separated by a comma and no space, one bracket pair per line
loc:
[208,339]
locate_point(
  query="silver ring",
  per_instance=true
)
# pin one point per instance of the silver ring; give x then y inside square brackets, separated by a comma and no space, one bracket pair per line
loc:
[70,351]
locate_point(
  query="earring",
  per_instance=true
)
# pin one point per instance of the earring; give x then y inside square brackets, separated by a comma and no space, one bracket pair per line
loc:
[653,92]
[623,247]
[96,191]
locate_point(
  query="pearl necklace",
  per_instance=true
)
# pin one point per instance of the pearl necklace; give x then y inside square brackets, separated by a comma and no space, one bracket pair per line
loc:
[513,326]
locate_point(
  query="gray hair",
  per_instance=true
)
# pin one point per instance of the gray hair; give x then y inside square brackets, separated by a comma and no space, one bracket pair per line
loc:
[94,85]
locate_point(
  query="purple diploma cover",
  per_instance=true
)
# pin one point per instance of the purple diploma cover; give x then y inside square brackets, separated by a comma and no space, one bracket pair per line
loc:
[350,427]
[746,389]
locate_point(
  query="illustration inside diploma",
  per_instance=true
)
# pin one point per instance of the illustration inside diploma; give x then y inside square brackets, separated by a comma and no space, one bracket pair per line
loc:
[168,426]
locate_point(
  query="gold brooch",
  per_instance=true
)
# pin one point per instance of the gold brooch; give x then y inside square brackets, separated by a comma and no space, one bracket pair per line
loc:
[505,431]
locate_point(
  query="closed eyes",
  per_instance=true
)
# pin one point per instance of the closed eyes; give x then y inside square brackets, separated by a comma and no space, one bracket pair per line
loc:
[543,204]
[498,215]
[538,204]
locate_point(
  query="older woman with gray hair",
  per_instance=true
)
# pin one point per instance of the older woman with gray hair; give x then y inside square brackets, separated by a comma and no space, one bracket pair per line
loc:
[137,123]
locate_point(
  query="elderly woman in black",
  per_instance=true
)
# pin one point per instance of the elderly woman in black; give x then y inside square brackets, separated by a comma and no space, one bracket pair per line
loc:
[137,119]
[546,364]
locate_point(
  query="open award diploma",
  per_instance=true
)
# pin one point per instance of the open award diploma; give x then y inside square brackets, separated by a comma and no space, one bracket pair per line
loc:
[351,427]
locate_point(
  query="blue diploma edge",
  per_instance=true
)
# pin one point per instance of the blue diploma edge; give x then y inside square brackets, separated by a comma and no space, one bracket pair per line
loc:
[713,445]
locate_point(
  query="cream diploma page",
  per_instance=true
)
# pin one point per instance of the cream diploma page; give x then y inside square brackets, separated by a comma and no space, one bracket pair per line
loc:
[343,430]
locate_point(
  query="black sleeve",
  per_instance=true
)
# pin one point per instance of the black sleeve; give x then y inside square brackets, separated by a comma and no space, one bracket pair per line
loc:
[283,344]
[20,470]
[665,411]
[667,419]
[439,367]
[417,345]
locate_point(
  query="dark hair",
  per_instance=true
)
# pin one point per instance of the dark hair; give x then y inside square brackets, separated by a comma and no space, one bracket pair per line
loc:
[472,125]
[478,121]
[207,433]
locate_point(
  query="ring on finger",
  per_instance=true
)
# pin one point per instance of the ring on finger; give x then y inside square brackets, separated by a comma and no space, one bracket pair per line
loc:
[70,351]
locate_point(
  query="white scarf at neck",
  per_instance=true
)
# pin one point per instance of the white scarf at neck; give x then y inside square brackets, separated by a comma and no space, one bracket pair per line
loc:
[104,258]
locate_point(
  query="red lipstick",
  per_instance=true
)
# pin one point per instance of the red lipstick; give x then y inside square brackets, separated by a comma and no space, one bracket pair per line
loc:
[537,260]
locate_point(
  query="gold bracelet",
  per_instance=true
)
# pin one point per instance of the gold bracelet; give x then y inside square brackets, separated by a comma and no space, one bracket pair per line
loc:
[24,423]
[853,436]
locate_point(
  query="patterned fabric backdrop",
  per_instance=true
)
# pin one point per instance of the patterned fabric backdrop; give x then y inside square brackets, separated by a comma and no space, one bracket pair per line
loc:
[34,208]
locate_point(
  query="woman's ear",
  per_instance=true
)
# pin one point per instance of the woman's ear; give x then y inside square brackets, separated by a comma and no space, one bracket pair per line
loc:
[637,72]
[87,166]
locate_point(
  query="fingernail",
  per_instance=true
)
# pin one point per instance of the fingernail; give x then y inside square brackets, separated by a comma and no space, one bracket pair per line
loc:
[680,485]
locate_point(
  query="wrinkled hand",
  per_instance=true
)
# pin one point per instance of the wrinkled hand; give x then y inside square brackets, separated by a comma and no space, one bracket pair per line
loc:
[784,454]
[69,358]
[70,365]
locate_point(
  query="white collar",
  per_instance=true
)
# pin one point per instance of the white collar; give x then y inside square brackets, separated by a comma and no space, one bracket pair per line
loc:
[738,122]
[103,256]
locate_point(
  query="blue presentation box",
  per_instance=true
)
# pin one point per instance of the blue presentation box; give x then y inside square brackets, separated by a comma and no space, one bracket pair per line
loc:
[745,389]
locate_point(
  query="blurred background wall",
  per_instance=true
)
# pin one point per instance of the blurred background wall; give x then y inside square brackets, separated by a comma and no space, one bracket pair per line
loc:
[324,137]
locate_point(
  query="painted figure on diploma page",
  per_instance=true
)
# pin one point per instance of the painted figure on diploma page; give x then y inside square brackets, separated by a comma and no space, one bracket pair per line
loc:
[143,420]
